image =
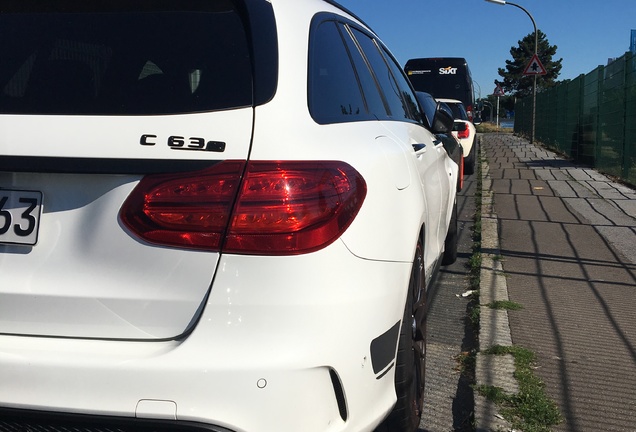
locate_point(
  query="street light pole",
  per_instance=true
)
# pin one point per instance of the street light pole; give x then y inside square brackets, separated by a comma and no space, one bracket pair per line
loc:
[536,48]
[479,98]
[475,82]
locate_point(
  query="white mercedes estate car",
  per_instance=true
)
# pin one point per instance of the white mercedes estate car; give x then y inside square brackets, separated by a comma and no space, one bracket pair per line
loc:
[215,215]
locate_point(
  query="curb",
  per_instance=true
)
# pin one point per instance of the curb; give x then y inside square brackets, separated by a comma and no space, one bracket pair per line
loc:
[494,329]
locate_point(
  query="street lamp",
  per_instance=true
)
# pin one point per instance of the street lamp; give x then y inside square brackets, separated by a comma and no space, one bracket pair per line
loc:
[478,111]
[475,82]
[536,47]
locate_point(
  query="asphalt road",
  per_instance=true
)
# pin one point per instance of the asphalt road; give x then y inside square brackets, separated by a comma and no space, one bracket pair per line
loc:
[448,404]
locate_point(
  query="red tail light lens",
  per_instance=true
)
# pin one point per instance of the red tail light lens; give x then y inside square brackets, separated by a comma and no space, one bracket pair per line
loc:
[278,208]
[463,133]
[186,210]
[294,207]
[469,112]
[460,184]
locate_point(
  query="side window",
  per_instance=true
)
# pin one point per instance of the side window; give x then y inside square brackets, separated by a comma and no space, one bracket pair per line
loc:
[428,105]
[334,91]
[370,89]
[392,93]
[405,88]
[463,111]
[458,112]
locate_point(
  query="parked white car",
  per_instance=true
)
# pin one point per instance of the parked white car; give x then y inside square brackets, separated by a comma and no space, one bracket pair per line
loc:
[465,131]
[214,216]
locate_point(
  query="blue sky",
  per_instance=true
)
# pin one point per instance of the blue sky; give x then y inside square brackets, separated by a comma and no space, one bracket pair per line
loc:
[586,32]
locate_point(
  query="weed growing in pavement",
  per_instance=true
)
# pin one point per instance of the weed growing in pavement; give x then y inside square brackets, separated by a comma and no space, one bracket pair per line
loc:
[505,304]
[466,362]
[474,262]
[474,315]
[530,409]
[466,359]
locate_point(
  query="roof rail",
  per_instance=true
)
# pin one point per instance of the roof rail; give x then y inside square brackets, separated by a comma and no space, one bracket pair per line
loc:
[344,9]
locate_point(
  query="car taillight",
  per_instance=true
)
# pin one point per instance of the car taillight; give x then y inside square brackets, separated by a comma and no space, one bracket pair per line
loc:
[460,184]
[469,112]
[463,133]
[184,209]
[275,208]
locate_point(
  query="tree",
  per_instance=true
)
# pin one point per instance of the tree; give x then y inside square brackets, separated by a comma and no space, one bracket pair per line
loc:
[514,81]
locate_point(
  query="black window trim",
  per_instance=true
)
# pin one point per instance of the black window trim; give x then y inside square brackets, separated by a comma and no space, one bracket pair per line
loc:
[384,52]
[317,20]
[262,34]
[353,65]
[348,25]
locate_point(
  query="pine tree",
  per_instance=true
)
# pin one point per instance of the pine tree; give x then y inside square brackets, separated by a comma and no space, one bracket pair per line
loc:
[514,81]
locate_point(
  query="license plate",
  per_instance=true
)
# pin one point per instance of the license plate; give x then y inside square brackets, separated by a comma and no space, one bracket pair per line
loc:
[20,216]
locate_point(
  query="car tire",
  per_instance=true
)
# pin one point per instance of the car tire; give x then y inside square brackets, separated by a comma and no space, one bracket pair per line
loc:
[471,159]
[450,243]
[411,356]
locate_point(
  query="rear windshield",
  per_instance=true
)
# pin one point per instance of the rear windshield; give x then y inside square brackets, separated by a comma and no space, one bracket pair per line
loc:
[441,86]
[181,56]
[459,112]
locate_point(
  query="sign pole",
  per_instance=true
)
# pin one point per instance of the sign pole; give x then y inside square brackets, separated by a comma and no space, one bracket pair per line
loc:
[535,67]
[534,104]
[498,93]
[497,113]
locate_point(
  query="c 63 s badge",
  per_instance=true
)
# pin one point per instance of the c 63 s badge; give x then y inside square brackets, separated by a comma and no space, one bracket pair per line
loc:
[176,142]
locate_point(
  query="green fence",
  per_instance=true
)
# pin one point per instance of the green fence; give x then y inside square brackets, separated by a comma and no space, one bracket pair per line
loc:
[591,118]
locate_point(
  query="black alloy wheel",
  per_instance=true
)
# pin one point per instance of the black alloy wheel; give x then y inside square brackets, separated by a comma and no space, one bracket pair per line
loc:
[452,236]
[411,357]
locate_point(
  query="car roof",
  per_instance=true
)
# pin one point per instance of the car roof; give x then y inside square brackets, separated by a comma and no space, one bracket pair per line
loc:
[449,100]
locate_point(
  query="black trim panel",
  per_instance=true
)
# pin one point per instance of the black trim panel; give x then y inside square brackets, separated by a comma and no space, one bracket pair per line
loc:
[99,165]
[264,38]
[383,348]
[12,420]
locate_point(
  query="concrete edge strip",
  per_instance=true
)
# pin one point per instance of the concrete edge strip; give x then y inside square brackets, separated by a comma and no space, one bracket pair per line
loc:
[494,329]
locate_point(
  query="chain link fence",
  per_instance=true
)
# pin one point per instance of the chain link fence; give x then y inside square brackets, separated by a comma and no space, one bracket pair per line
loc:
[591,118]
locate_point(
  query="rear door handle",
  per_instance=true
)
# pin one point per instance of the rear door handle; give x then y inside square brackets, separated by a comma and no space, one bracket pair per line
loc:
[419,147]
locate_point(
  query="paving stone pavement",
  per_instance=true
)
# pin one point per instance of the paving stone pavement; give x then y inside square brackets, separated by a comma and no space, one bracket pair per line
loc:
[560,240]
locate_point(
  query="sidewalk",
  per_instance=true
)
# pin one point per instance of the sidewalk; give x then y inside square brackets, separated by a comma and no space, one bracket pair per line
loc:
[561,241]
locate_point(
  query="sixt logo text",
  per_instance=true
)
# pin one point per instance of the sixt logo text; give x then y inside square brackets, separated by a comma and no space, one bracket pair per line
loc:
[448,71]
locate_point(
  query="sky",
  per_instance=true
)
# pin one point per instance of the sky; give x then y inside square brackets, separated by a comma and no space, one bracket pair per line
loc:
[586,32]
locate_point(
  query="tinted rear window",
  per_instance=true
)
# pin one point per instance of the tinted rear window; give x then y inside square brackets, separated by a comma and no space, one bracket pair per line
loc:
[459,112]
[124,59]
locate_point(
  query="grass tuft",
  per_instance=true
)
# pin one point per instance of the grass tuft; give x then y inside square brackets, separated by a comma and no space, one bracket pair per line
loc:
[487,127]
[466,362]
[505,305]
[530,410]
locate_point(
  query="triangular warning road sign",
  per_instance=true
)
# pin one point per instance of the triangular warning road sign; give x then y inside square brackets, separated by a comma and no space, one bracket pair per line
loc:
[535,67]
[498,91]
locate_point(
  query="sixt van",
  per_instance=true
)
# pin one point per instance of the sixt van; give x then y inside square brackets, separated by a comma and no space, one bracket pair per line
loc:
[443,77]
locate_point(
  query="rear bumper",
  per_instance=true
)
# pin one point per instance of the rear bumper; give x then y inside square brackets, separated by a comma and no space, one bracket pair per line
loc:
[25,420]
[283,344]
